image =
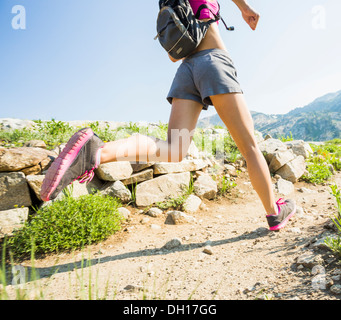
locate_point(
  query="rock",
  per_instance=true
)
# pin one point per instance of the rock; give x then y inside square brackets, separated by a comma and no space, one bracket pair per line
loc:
[35,144]
[124,212]
[336,289]
[145,220]
[14,191]
[35,183]
[300,148]
[139,177]
[284,187]
[177,167]
[179,217]
[155,227]
[279,159]
[154,212]
[231,170]
[208,250]
[191,204]
[205,187]
[114,171]
[193,152]
[133,288]
[172,244]
[13,124]
[293,170]
[309,260]
[17,159]
[13,217]
[118,190]
[139,166]
[270,146]
[161,188]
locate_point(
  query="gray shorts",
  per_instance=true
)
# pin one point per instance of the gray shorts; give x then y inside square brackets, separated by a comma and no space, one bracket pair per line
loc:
[205,74]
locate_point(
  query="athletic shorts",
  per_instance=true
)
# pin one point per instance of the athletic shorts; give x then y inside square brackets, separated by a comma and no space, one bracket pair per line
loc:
[204,74]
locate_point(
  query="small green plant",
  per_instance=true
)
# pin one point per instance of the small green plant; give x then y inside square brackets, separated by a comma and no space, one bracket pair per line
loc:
[226,185]
[317,173]
[335,243]
[68,224]
[286,138]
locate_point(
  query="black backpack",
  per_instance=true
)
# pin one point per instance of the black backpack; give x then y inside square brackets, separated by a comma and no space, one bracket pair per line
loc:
[179,30]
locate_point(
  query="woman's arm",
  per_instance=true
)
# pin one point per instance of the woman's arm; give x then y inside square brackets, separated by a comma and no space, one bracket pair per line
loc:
[250,15]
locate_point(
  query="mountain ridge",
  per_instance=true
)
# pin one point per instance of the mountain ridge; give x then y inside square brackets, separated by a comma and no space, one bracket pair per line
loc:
[320,120]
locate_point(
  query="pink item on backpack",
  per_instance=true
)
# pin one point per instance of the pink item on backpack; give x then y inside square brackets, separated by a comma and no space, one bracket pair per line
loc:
[205,13]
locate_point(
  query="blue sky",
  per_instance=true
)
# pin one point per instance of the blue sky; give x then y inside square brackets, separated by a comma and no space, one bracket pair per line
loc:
[97,60]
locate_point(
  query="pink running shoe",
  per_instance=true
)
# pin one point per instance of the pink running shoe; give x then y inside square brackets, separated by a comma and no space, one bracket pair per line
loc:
[286,209]
[77,161]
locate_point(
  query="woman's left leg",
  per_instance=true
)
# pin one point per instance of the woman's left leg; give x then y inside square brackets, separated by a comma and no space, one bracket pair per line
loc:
[233,111]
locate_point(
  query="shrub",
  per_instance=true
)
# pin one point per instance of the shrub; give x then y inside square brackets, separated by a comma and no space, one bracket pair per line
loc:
[335,243]
[68,224]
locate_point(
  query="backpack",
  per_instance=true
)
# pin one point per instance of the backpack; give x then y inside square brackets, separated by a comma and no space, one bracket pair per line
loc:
[179,31]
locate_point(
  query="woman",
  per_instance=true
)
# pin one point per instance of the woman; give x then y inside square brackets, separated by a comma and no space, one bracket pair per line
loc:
[206,77]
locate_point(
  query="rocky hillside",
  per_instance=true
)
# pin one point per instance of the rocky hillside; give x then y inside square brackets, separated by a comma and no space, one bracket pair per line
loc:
[318,121]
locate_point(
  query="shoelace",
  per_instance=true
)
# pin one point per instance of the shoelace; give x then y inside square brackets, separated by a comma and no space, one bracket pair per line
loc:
[280,203]
[86,177]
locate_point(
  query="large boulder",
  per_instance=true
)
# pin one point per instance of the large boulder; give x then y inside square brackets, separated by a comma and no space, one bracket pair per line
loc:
[161,188]
[14,191]
[293,170]
[25,159]
[270,146]
[300,148]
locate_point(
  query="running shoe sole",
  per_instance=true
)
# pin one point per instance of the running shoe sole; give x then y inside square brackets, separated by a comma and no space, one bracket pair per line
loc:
[63,162]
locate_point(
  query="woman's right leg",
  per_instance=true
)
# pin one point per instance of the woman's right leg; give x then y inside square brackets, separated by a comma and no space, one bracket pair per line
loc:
[181,126]
[84,152]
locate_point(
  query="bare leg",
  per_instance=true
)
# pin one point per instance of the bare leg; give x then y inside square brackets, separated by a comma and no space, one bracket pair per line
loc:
[182,123]
[234,113]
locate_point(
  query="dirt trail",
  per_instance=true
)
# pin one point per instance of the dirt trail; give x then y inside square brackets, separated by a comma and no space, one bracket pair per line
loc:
[246,261]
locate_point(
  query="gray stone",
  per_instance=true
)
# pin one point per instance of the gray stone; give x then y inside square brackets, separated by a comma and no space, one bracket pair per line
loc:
[205,187]
[284,187]
[124,212]
[35,183]
[12,219]
[18,159]
[179,217]
[300,148]
[172,244]
[309,260]
[161,188]
[191,204]
[293,170]
[154,212]
[139,177]
[118,190]
[14,191]
[177,167]
[114,171]
[279,159]
[270,146]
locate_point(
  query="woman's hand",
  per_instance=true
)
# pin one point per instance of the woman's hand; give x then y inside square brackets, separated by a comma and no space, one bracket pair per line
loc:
[251,17]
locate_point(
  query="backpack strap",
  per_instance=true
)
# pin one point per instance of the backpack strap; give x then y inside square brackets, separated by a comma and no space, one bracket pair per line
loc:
[217,16]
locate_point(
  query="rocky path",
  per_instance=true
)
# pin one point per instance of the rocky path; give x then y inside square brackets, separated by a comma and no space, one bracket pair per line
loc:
[228,253]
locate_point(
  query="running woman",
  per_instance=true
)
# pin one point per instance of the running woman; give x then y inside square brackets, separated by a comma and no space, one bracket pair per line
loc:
[206,77]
